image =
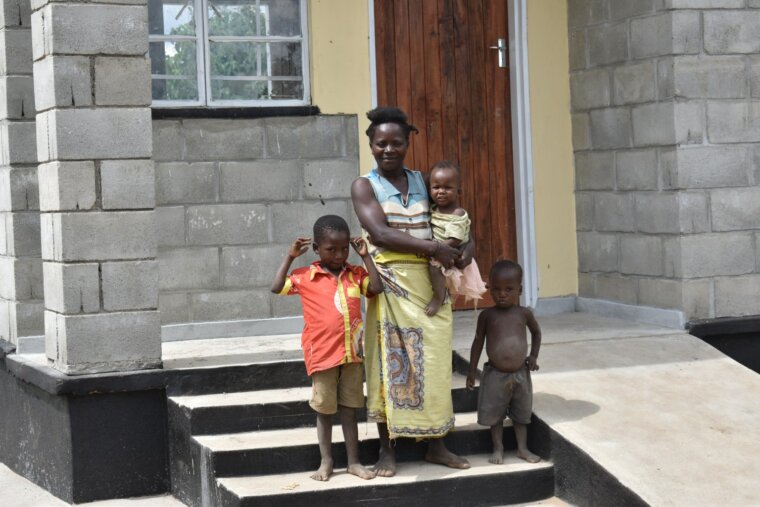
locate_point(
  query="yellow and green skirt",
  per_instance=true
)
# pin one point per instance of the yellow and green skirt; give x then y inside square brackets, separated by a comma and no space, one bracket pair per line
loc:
[408,354]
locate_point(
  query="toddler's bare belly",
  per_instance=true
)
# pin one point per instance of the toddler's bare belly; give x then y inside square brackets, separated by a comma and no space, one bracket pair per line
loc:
[507,357]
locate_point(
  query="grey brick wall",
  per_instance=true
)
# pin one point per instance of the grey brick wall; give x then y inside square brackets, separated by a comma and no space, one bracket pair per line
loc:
[21,287]
[96,185]
[231,195]
[666,126]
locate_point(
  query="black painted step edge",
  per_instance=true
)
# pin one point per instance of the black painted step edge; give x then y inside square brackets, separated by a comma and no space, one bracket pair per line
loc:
[189,381]
[579,479]
[304,458]
[266,416]
[493,489]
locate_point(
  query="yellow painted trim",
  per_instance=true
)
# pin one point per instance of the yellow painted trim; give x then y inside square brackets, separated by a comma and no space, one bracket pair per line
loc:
[340,73]
[553,167]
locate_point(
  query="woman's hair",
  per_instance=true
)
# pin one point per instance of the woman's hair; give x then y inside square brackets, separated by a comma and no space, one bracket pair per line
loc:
[381,115]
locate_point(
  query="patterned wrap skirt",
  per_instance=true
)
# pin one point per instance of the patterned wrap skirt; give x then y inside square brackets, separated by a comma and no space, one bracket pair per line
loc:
[408,354]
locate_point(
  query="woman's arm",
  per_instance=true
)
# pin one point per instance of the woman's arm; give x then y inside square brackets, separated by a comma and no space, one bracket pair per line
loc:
[372,218]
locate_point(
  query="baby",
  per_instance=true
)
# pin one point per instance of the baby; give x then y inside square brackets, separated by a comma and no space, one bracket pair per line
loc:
[451,225]
[505,388]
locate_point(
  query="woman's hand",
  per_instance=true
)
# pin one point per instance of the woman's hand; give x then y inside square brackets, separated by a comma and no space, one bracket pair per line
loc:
[467,254]
[445,254]
[299,247]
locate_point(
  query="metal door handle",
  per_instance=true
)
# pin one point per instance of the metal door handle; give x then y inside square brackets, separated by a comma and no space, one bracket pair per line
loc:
[501,45]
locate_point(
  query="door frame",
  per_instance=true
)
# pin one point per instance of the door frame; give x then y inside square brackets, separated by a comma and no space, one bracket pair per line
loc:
[519,89]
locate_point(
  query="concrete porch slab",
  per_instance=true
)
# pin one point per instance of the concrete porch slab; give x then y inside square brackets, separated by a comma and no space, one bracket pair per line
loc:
[672,418]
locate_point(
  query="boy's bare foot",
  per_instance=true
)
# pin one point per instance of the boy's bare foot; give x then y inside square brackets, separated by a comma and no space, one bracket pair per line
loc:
[432,307]
[528,456]
[386,463]
[361,472]
[324,471]
[497,458]
[438,454]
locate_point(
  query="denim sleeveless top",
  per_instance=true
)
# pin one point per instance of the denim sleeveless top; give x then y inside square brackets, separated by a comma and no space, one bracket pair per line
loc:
[412,216]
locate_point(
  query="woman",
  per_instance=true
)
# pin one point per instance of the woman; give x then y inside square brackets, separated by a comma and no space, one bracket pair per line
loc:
[407,354]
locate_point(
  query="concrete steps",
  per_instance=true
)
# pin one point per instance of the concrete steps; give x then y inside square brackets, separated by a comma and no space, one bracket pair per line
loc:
[243,445]
[419,483]
[286,407]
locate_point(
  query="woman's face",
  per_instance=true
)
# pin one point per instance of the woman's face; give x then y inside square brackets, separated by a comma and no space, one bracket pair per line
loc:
[389,146]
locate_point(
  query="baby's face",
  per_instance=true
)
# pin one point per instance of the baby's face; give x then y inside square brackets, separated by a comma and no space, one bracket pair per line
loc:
[444,187]
[505,287]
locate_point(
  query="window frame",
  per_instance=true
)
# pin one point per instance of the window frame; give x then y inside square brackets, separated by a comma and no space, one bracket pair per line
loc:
[203,62]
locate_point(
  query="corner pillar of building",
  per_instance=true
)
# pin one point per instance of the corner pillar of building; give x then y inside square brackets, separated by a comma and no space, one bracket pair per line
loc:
[96,180]
[21,304]
[666,116]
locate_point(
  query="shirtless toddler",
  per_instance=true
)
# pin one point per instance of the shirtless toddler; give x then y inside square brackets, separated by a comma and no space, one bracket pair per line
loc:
[506,389]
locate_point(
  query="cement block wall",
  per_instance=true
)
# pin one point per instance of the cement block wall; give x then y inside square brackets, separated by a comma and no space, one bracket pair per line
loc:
[231,195]
[21,287]
[666,132]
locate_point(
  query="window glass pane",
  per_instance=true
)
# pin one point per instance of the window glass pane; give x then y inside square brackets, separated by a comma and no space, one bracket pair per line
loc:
[287,90]
[233,17]
[239,90]
[178,60]
[174,58]
[256,59]
[283,59]
[222,89]
[236,58]
[175,89]
[283,17]
[171,17]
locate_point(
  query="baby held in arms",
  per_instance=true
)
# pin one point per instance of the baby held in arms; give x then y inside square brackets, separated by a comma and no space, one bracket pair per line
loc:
[451,226]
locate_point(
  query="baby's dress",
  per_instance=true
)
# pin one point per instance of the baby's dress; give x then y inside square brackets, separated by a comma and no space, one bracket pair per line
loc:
[464,282]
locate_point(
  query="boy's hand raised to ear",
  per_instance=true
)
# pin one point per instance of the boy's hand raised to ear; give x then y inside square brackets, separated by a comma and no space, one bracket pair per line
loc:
[299,247]
[360,245]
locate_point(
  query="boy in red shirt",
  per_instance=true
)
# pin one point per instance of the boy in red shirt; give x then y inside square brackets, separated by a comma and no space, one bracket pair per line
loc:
[332,338]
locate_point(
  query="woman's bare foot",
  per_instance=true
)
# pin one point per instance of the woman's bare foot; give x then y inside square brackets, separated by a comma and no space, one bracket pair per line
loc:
[528,456]
[386,463]
[438,454]
[433,306]
[497,457]
[324,471]
[361,472]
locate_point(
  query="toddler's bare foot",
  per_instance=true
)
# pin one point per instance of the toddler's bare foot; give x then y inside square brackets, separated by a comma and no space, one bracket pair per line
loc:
[359,471]
[432,307]
[324,471]
[437,453]
[386,463]
[497,458]
[528,456]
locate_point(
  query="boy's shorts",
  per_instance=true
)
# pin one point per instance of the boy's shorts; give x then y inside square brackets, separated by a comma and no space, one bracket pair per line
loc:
[505,394]
[341,385]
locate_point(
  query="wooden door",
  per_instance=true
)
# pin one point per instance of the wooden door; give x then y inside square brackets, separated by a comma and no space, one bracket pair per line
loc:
[434,62]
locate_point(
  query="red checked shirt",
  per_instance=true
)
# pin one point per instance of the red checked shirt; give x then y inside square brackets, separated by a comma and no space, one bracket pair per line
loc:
[333,332]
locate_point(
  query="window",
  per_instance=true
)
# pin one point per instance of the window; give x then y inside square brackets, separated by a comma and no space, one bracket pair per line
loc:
[228,53]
